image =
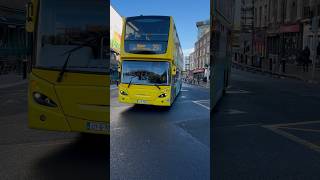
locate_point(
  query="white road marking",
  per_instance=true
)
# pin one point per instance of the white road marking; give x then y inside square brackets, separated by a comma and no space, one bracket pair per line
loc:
[238,92]
[184,97]
[246,125]
[301,129]
[199,102]
[296,123]
[10,101]
[113,87]
[293,138]
[13,84]
[184,90]
[234,111]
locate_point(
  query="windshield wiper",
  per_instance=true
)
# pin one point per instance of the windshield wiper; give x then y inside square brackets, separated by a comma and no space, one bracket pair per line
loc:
[69,52]
[131,81]
[157,86]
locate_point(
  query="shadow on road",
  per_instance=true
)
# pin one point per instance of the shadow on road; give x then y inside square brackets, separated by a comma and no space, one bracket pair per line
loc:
[143,112]
[85,158]
[148,108]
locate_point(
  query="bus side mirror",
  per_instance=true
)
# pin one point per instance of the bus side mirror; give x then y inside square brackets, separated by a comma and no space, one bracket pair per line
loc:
[30,17]
[174,70]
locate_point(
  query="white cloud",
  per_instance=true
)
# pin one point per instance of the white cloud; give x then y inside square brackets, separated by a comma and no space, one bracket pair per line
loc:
[186,52]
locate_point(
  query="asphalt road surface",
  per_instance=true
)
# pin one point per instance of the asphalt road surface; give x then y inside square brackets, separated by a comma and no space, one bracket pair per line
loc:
[267,128]
[149,142]
[41,155]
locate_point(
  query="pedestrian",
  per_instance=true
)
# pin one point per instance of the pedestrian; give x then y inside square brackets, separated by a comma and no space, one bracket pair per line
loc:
[299,58]
[318,52]
[306,59]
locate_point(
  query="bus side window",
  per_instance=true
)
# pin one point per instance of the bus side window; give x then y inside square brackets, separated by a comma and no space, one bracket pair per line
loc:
[176,77]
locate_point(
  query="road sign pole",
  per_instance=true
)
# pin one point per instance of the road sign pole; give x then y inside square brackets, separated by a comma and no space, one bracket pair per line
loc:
[315,55]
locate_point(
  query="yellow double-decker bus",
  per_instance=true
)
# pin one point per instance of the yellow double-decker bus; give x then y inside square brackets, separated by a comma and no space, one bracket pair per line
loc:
[69,79]
[150,61]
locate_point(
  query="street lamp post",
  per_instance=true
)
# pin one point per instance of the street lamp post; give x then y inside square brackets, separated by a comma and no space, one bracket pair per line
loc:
[315,27]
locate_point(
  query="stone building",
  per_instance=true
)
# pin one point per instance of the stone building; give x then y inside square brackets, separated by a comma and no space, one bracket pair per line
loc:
[246,31]
[200,58]
[274,32]
[13,38]
[186,64]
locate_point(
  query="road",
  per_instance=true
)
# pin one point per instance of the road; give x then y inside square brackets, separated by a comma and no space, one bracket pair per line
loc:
[267,128]
[37,155]
[157,143]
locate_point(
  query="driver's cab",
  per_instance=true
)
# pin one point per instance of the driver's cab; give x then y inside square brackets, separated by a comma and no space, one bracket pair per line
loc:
[69,81]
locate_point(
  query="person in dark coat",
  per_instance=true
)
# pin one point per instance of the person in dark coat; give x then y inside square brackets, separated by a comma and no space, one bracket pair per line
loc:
[306,58]
[300,57]
[318,52]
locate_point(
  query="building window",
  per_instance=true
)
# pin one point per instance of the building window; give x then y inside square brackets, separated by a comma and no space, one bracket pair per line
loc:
[306,9]
[265,15]
[275,12]
[284,11]
[255,17]
[293,11]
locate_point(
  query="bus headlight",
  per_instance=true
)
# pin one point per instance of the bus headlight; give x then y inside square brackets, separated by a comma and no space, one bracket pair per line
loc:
[163,95]
[123,93]
[43,100]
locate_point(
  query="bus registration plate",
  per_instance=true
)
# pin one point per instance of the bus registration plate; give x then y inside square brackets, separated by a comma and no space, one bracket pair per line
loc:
[97,126]
[142,102]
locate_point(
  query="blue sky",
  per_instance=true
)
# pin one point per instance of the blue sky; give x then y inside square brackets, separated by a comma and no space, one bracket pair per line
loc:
[185,13]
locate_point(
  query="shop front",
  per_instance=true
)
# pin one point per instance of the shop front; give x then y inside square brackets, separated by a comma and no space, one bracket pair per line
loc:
[198,74]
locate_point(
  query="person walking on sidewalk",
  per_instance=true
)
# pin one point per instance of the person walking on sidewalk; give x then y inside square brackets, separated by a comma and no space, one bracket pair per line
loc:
[318,52]
[306,58]
[300,57]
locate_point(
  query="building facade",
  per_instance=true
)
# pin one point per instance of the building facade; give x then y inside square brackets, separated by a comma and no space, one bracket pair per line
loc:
[236,30]
[186,64]
[13,37]
[200,58]
[278,32]
[246,32]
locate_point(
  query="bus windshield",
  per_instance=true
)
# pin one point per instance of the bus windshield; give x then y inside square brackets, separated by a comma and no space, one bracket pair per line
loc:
[67,24]
[147,34]
[145,72]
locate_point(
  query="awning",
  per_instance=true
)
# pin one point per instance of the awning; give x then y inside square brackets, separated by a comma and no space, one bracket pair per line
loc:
[290,28]
[198,70]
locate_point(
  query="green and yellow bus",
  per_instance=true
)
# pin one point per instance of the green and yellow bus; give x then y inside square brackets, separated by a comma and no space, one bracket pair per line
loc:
[69,78]
[150,61]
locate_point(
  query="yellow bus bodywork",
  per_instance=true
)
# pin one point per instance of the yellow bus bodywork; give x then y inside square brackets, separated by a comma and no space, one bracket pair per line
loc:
[148,94]
[82,102]
[82,98]
[143,94]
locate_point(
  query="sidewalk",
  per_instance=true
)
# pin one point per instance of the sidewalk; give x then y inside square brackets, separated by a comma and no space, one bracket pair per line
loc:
[297,71]
[202,84]
[291,71]
[11,79]
[113,86]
